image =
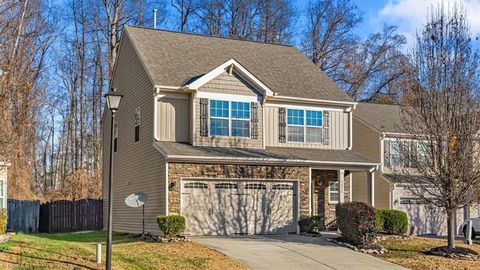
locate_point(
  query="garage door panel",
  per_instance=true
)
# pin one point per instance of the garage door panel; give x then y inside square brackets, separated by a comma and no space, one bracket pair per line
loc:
[239,207]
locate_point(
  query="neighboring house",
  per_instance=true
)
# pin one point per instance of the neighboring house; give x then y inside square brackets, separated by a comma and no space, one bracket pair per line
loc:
[3,183]
[240,137]
[378,134]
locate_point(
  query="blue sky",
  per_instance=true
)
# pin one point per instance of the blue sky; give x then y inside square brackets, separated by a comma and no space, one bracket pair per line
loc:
[408,15]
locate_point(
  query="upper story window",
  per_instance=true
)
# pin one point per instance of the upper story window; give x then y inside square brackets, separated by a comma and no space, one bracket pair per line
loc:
[405,153]
[304,125]
[137,124]
[229,118]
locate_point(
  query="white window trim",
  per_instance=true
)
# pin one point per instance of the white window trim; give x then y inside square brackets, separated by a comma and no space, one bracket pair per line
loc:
[398,140]
[330,191]
[229,118]
[305,126]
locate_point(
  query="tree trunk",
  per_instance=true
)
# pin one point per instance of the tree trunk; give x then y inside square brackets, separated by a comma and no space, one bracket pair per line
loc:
[451,213]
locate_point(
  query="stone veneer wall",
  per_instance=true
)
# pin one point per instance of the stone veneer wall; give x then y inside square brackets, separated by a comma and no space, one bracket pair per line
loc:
[176,171]
[321,206]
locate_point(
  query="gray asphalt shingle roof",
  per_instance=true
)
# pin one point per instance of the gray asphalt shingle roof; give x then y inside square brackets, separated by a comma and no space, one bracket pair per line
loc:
[173,58]
[272,153]
[385,118]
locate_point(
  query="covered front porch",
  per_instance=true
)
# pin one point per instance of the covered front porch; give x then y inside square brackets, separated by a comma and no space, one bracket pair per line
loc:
[330,187]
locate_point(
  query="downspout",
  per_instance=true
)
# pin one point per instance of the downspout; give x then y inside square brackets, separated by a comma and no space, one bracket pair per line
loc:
[350,130]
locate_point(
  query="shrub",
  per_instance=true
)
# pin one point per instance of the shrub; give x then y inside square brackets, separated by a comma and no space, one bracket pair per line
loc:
[395,222]
[379,220]
[306,224]
[171,225]
[3,221]
[356,222]
[310,224]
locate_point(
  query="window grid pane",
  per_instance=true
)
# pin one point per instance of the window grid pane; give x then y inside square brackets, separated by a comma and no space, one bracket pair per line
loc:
[219,108]
[295,134]
[241,110]
[314,118]
[218,127]
[296,117]
[314,135]
[240,128]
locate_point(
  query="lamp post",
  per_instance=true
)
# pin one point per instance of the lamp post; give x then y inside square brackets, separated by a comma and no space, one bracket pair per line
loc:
[113,101]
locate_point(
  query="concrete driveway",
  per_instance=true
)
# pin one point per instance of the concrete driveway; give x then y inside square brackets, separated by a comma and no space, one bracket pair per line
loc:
[292,252]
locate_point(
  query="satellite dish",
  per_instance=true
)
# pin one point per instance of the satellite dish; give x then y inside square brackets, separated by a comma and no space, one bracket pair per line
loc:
[136,199]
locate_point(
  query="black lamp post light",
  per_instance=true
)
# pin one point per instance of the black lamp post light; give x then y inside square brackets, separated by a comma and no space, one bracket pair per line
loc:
[113,101]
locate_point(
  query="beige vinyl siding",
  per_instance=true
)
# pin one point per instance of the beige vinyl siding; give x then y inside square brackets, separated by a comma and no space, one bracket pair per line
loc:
[234,85]
[138,167]
[229,84]
[366,140]
[338,130]
[360,189]
[173,117]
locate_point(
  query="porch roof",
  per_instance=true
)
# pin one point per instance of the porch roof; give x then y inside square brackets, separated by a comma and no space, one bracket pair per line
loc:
[316,158]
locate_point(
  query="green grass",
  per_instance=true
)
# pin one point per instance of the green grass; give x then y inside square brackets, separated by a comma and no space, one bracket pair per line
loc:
[411,254]
[77,251]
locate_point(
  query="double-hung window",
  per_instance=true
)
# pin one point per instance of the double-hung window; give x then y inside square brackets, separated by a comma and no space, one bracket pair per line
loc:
[219,117]
[304,125]
[333,192]
[229,118]
[240,119]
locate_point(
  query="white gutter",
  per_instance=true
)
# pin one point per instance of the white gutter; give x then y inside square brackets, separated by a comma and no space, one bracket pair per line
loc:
[350,130]
[203,158]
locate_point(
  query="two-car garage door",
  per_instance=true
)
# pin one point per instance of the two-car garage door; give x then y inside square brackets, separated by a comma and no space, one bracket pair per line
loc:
[239,207]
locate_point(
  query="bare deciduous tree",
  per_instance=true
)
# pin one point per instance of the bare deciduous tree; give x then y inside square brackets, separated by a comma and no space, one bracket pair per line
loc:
[329,34]
[442,110]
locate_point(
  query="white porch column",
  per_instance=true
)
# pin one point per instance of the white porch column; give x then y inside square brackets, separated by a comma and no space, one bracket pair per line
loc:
[341,185]
[371,188]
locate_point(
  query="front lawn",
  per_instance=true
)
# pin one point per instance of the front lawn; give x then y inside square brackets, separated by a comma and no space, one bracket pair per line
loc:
[77,251]
[409,253]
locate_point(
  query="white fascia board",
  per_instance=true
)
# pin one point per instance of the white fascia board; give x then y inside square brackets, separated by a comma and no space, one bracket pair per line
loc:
[227,97]
[303,107]
[352,104]
[274,160]
[220,69]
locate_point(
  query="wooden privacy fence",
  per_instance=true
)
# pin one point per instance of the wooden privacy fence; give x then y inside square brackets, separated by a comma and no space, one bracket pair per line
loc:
[23,216]
[71,216]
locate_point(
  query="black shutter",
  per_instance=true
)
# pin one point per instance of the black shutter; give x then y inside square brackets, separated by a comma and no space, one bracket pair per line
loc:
[254,120]
[386,153]
[326,128]
[282,125]
[203,117]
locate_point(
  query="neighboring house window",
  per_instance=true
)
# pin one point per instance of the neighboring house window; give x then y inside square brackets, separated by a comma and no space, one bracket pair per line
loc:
[333,192]
[137,124]
[304,125]
[395,154]
[115,136]
[229,118]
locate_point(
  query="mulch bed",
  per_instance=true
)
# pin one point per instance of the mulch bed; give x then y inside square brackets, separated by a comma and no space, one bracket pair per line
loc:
[461,253]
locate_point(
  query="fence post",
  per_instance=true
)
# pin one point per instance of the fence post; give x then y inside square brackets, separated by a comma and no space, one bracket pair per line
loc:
[99,253]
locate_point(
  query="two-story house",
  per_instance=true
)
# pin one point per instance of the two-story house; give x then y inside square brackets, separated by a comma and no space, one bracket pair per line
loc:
[378,134]
[239,137]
